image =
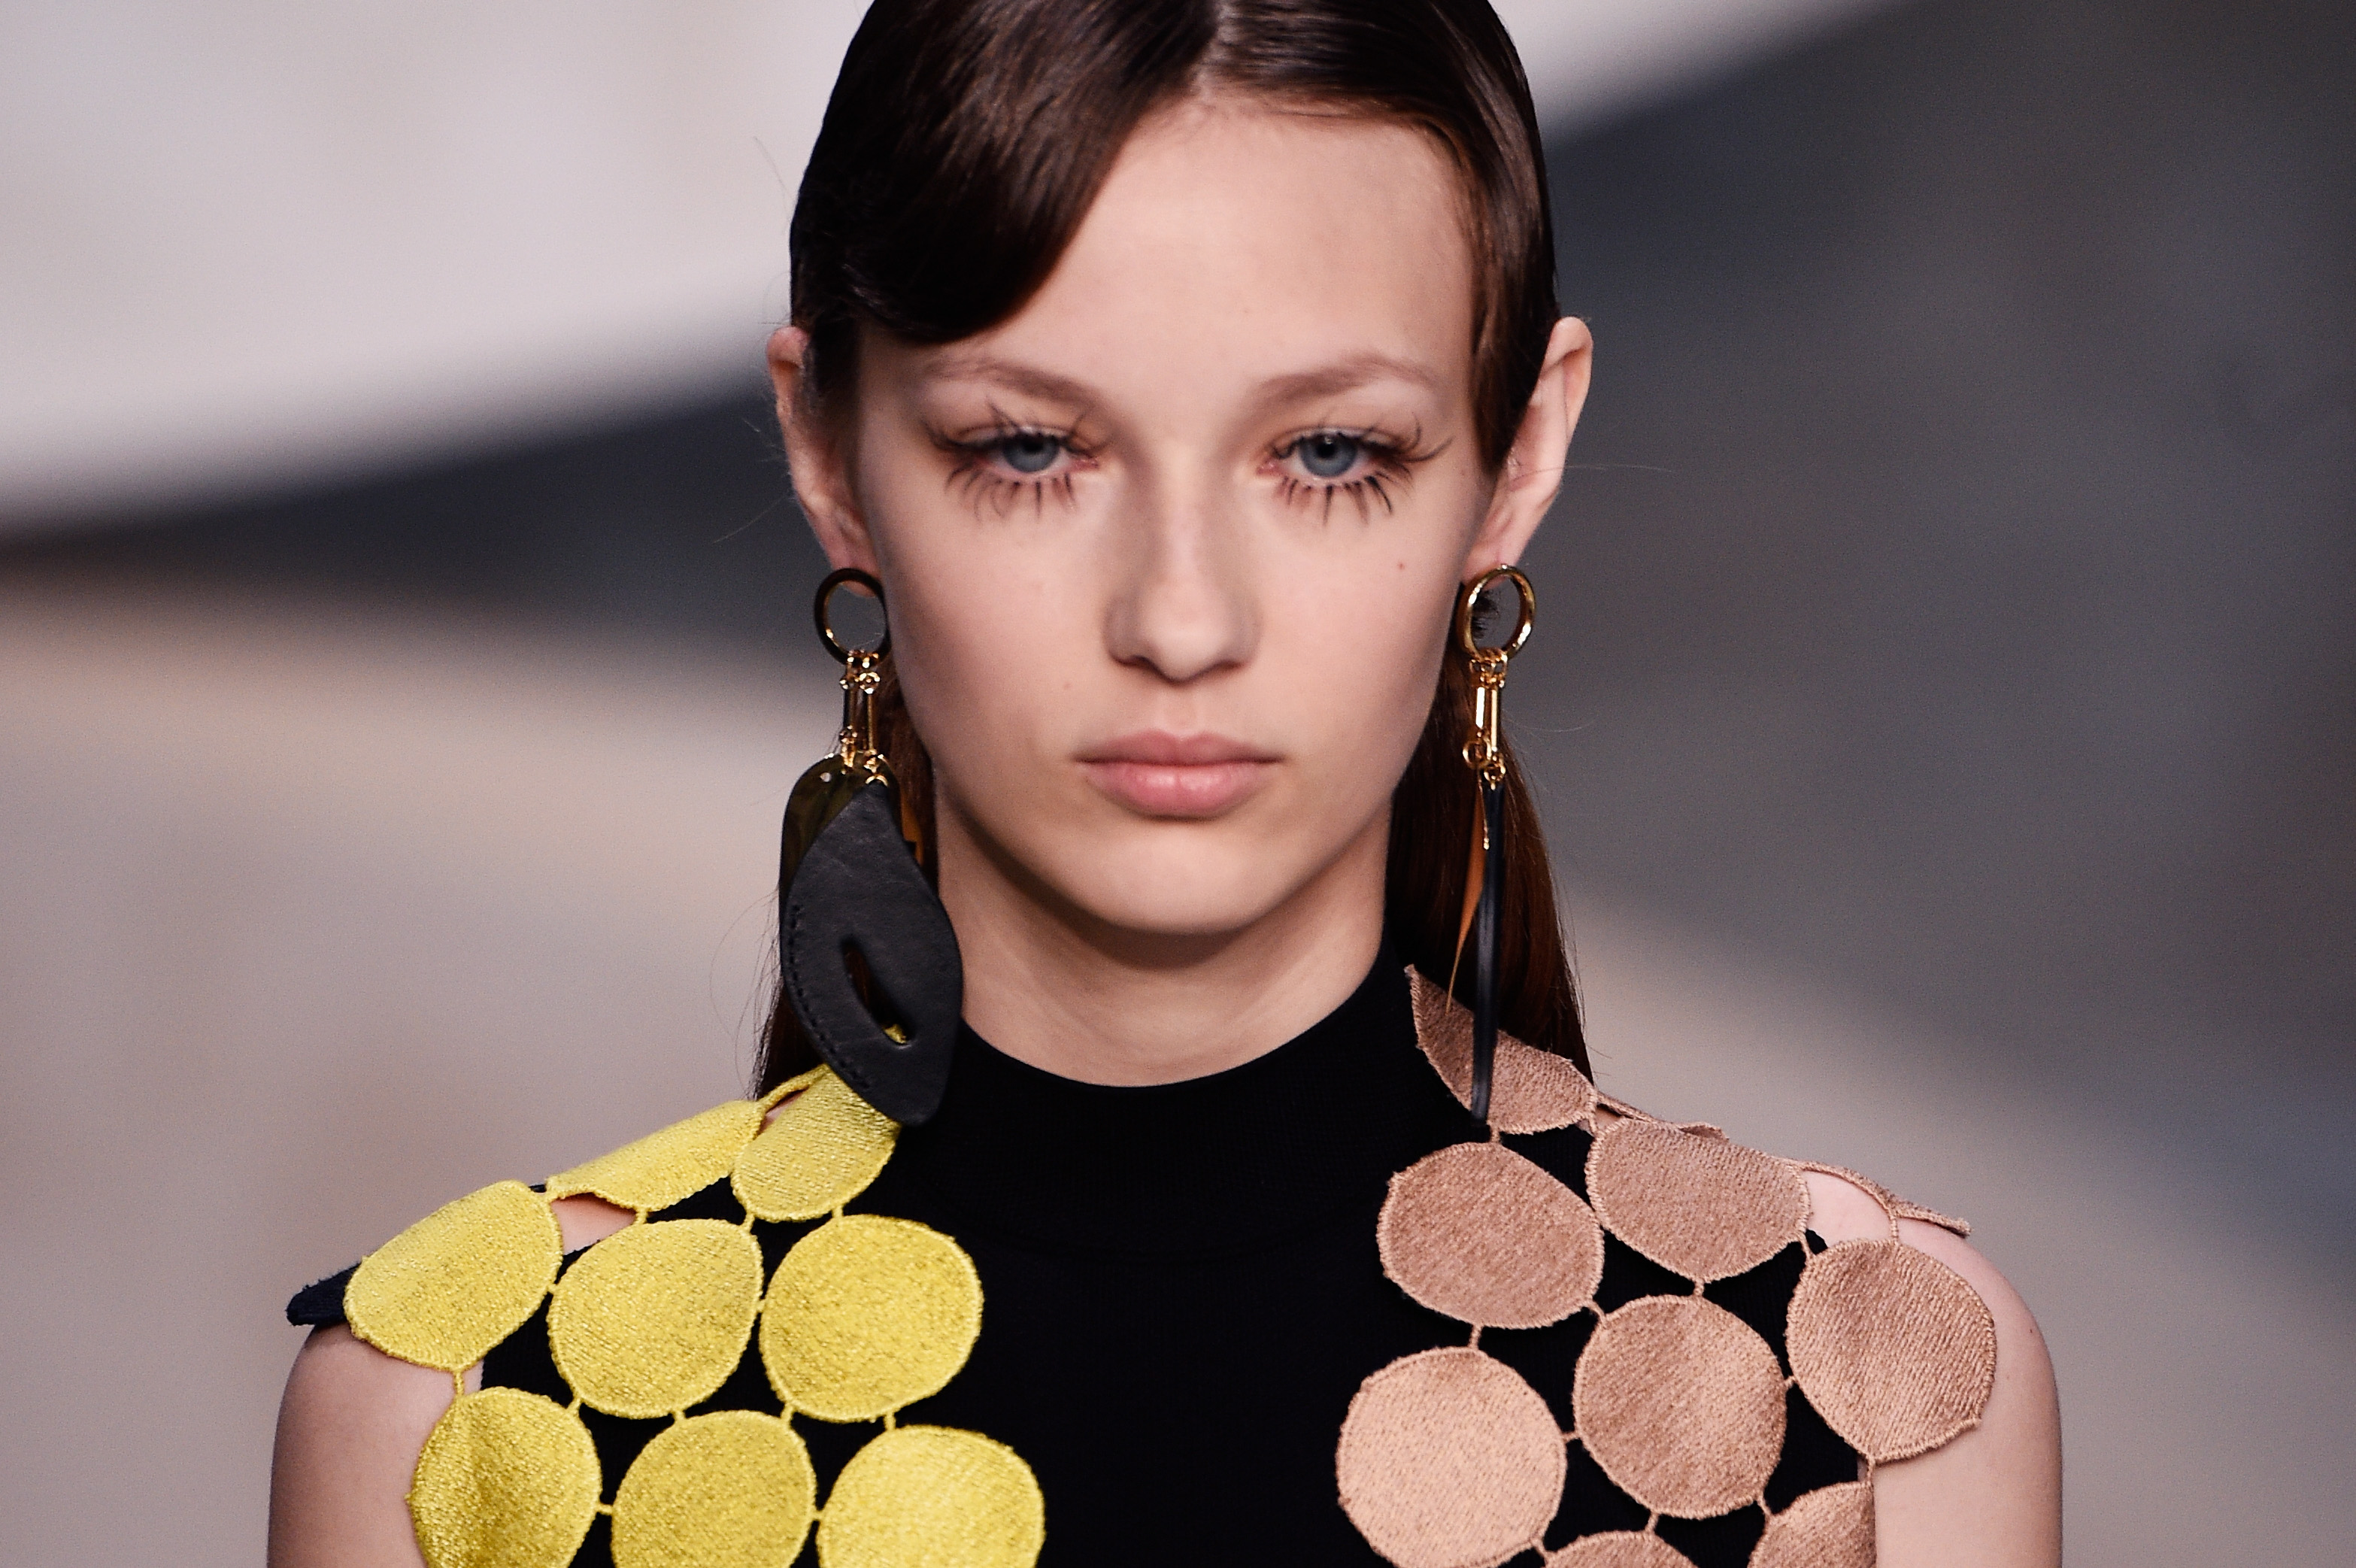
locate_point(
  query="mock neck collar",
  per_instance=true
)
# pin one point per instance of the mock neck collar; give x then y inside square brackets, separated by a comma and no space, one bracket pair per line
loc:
[1232,1161]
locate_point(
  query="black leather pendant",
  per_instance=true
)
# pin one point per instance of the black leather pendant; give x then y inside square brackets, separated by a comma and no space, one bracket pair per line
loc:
[859,913]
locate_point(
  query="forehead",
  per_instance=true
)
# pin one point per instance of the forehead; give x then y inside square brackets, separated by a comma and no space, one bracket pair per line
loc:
[1235,243]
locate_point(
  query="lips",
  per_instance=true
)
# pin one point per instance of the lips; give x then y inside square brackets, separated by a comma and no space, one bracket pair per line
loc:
[1156,774]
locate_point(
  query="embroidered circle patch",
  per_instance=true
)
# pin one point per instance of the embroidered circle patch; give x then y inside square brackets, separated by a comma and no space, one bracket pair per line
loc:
[507,1479]
[927,1495]
[1480,1233]
[864,1315]
[816,1155]
[728,1488]
[867,1314]
[1449,1460]
[1621,1549]
[1530,1090]
[1682,1403]
[1706,1207]
[1831,1526]
[653,1318]
[664,1168]
[459,1281]
[1893,1347]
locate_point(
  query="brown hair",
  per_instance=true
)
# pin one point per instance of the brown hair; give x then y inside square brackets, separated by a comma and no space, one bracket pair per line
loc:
[962,146]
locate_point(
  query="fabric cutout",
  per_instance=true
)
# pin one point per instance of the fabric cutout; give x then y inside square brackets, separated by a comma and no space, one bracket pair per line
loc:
[507,1479]
[1831,1526]
[1682,1404]
[818,1153]
[1447,1459]
[866,1314]
[1896,1351]
[732,1489]
[1485,1236]
[654,1318]
[459,1281]
[1530,1090]
[1892,1204]
[1619,1548]
[1905,1210]
[930,1497]
[1702,1205]
[663,1167]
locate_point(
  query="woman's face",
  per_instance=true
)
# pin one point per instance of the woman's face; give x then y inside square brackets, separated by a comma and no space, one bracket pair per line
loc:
[1172,554]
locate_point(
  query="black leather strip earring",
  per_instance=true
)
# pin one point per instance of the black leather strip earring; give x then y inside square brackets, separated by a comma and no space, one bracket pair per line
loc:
[1485,753]
[867,955]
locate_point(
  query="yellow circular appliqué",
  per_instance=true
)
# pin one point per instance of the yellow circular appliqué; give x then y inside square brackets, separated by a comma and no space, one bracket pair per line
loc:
[818,1154]
[732,1489]
[664,1168]
[653,1318]
[930,1496]
[867,1314]
[507,1479]
[459,1281]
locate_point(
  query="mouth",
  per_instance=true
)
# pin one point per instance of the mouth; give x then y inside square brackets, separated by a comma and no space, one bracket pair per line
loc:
[1157,774]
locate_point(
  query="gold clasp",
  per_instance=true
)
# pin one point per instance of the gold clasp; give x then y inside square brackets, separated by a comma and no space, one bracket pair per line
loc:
[862,678]
[1484,751]
[1484,748]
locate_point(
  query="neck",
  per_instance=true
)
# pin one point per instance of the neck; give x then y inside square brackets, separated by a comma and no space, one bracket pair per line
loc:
[1051,986]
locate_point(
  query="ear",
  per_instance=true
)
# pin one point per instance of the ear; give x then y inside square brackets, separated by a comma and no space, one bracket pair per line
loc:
[1541,445]
[818,459]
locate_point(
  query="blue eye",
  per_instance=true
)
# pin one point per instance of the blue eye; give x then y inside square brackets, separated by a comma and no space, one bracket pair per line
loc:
[1328,455]
[1029,452]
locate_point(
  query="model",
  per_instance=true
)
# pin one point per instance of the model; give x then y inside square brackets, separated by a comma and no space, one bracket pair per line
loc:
[1174,1142]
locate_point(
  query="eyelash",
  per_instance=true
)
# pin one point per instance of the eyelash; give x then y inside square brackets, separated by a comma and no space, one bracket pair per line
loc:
[973,475]
[1389,463]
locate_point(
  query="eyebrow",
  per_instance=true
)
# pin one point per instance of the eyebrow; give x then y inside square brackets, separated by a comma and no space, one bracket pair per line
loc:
[1348,375]
[1013,377]
[1325,380]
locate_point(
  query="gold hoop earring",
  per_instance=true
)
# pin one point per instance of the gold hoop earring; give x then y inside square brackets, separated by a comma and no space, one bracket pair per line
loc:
[1485,753]
[866,955]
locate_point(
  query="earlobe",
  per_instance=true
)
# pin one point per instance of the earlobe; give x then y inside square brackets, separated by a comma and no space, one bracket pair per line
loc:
[822,480]
[1534,466]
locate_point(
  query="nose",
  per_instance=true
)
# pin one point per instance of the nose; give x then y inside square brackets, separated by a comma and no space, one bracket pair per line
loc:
[1184,607]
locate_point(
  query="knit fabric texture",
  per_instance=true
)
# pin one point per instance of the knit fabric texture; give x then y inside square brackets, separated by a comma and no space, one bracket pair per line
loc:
[507,1479]
[727,1486]
[1449,1458]
[920,1496]
[864,1316]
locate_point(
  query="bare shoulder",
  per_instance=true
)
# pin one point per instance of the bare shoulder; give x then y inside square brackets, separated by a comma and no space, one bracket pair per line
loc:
[349,1430]
[351,1426]
[1993,1495]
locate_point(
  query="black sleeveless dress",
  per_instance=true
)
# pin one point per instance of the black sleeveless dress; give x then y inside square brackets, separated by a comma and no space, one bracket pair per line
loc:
[1183,1294]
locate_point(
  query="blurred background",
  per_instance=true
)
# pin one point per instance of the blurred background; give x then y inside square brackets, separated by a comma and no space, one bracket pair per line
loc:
[1945,697]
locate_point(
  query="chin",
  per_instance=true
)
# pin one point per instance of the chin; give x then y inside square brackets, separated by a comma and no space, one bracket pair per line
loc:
[1180,888]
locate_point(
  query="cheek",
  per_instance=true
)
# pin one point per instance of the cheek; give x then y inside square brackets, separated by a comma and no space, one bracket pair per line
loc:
[986,630]
[1356,671]
[1362,626]
[975,644]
